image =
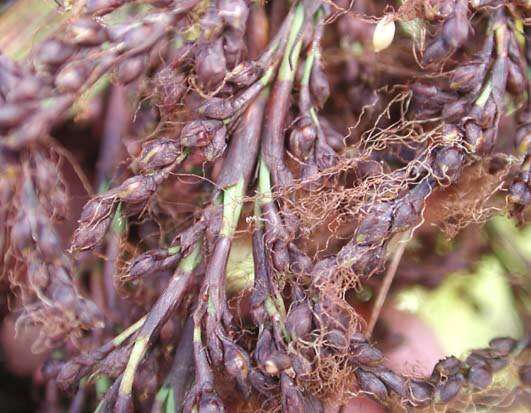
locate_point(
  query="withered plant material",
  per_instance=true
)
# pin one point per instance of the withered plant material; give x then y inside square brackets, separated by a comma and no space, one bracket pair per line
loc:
[327,129]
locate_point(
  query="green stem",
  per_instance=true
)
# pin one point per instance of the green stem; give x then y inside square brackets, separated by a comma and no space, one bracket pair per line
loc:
[232,207]
[186,266]
[293,47]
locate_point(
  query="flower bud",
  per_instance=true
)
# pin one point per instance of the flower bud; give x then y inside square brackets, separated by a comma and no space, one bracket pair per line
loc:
[384,33]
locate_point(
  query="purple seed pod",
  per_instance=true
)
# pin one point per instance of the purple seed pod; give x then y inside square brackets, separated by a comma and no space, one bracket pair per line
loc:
[435,52]
[214,149]
[234,47]
[12,115]
[101,7]
[516,78]
[114,363]
[446,367]
[38,275]
[503,345]
[245,74]
[300,262]
[393,381]
[237,364]
[467,78]
[335,139]
[211,24]
[199,133]
[492,359]
[455,30]
[28,88]
[447,164]
[473,133]
[131,69]
[369,383]
[169,87]
[300,364]
[210,64]
[429,98]
[69,374]
[88,236]
[291,398]
[124,404]
[302,138]
[71,77]
[319,85]
[365,354]
[234,13]
[479,376]
[137,189]
[524,372]
[336,340]
[299,320]
[325,156]
[455,111]
[209,402]
[450,388]
[47,240]
[136,34]
[420,393]
[264,348]
[158,153]
[97,208]
[86,32]
[261,382]
[53,52]
[151,261]
[278,361]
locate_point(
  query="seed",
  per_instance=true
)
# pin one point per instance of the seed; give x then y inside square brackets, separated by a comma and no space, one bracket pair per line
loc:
[384,33]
